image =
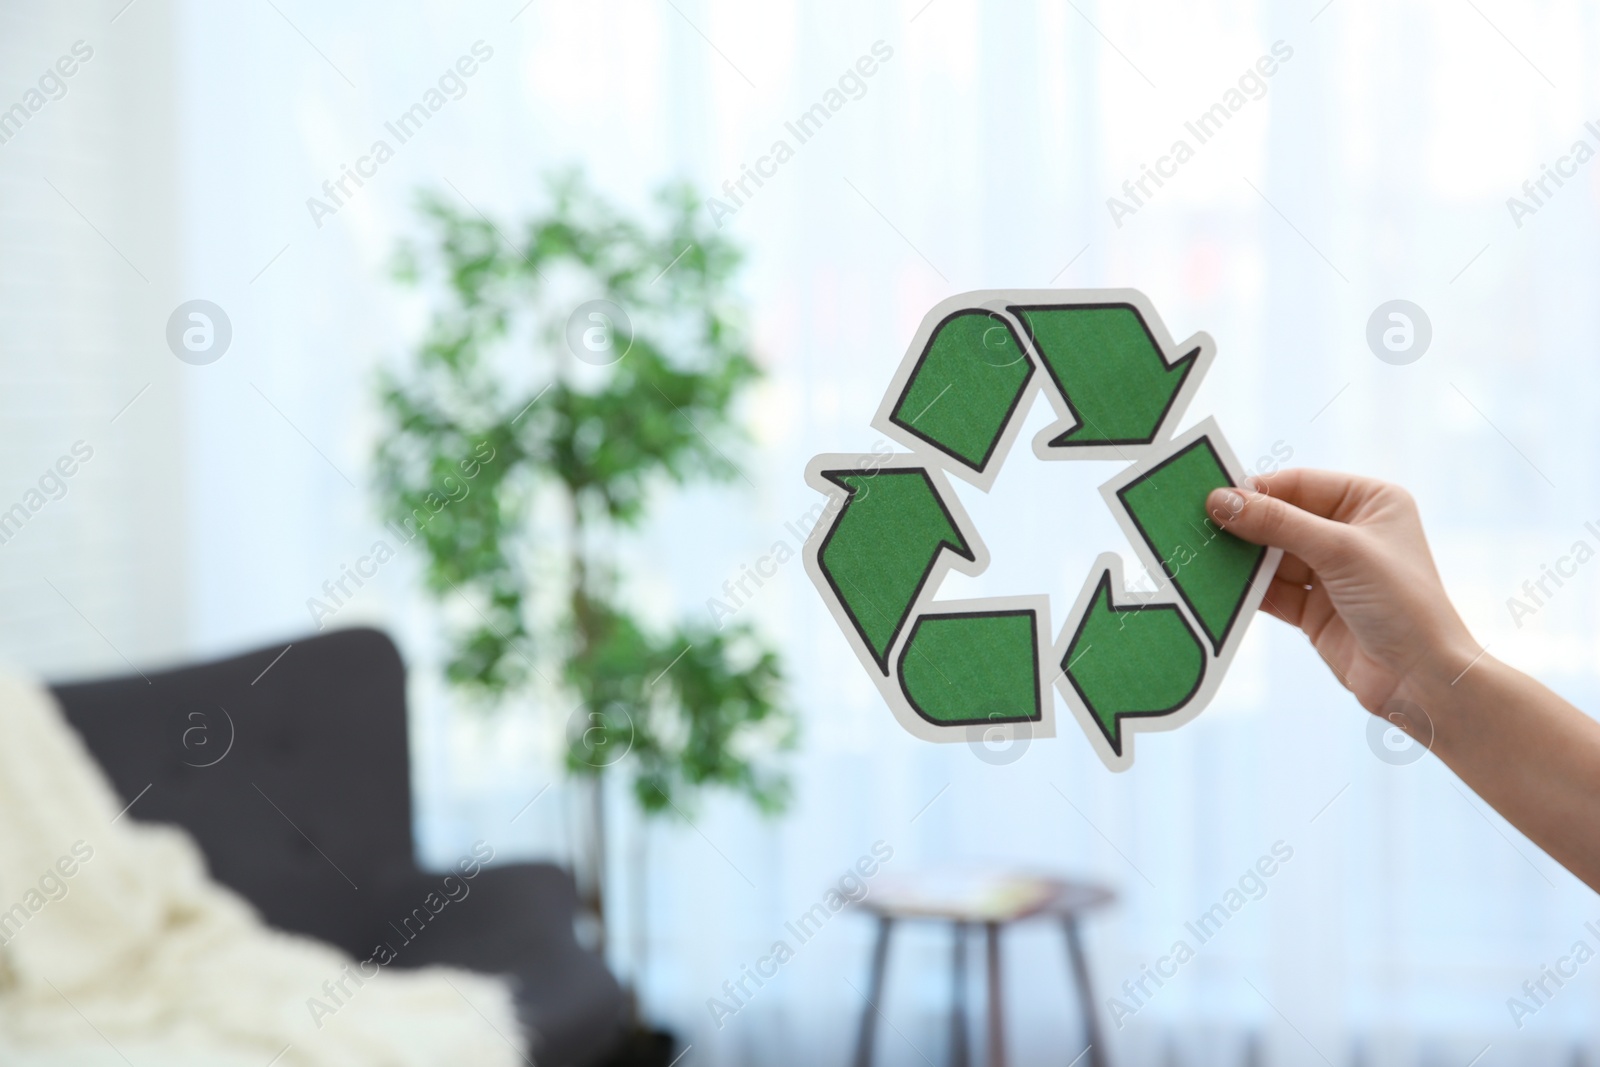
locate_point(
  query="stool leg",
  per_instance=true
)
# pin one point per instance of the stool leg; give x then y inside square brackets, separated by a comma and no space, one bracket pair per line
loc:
[869,1014]
[1080,978]
[960,1056]
[997,1040]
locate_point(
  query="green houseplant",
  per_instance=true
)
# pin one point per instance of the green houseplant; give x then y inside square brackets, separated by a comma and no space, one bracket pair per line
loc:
[525,439]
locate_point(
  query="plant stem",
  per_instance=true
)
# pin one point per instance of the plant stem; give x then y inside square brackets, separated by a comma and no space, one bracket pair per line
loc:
[585,640]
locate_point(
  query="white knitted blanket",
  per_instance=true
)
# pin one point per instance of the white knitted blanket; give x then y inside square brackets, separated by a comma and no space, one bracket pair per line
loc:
[116,948]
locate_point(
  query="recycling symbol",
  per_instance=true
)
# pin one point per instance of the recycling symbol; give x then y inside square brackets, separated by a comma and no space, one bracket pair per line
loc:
[1124,661]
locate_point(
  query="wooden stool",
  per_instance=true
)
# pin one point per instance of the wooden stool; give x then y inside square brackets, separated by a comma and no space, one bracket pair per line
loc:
[991,900]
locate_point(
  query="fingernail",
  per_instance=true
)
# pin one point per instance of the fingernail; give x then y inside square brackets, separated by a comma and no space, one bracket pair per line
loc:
[1229,500]
[1253,484]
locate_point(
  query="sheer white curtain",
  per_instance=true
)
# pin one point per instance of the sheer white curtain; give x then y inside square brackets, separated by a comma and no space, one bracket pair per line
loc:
[92,555]
[1373,164]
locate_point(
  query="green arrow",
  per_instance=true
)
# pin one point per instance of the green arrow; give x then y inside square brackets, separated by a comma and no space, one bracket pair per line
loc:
[966,668]
[1109,370]
[883,547]
[965,386]
[1213,570]
[1139,661]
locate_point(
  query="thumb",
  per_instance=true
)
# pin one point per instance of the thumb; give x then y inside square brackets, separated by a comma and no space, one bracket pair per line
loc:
[1263,519]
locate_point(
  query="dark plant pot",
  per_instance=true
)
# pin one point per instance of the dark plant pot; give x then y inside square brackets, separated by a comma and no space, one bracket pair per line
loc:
[645,1048]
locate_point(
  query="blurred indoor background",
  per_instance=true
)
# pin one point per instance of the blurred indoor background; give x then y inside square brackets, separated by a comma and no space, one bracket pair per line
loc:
[1374,164]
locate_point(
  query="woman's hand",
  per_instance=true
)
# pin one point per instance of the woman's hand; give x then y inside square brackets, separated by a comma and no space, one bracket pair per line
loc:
[1356,576]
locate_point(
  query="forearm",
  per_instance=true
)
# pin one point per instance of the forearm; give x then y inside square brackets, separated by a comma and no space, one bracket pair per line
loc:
[1358,579]
[1530,754]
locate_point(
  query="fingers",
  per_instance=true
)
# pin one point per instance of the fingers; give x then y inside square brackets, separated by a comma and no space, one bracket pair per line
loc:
[1293,569]
[1263,519]
[1286,600]
[1309,610]
[1327,494]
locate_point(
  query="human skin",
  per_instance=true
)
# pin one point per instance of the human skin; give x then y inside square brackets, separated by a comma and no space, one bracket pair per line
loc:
[1358,580]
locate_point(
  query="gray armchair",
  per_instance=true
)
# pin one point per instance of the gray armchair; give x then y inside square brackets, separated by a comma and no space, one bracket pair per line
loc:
[296,784]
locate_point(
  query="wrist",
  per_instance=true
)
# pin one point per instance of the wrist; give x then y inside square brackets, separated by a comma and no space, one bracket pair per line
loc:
[1443,685]
[1440,673]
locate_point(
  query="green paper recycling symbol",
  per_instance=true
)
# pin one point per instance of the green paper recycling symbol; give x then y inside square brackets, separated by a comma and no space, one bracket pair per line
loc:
[1124,661]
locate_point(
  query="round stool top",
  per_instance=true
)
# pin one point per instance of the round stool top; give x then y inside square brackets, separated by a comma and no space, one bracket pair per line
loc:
[981,896]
